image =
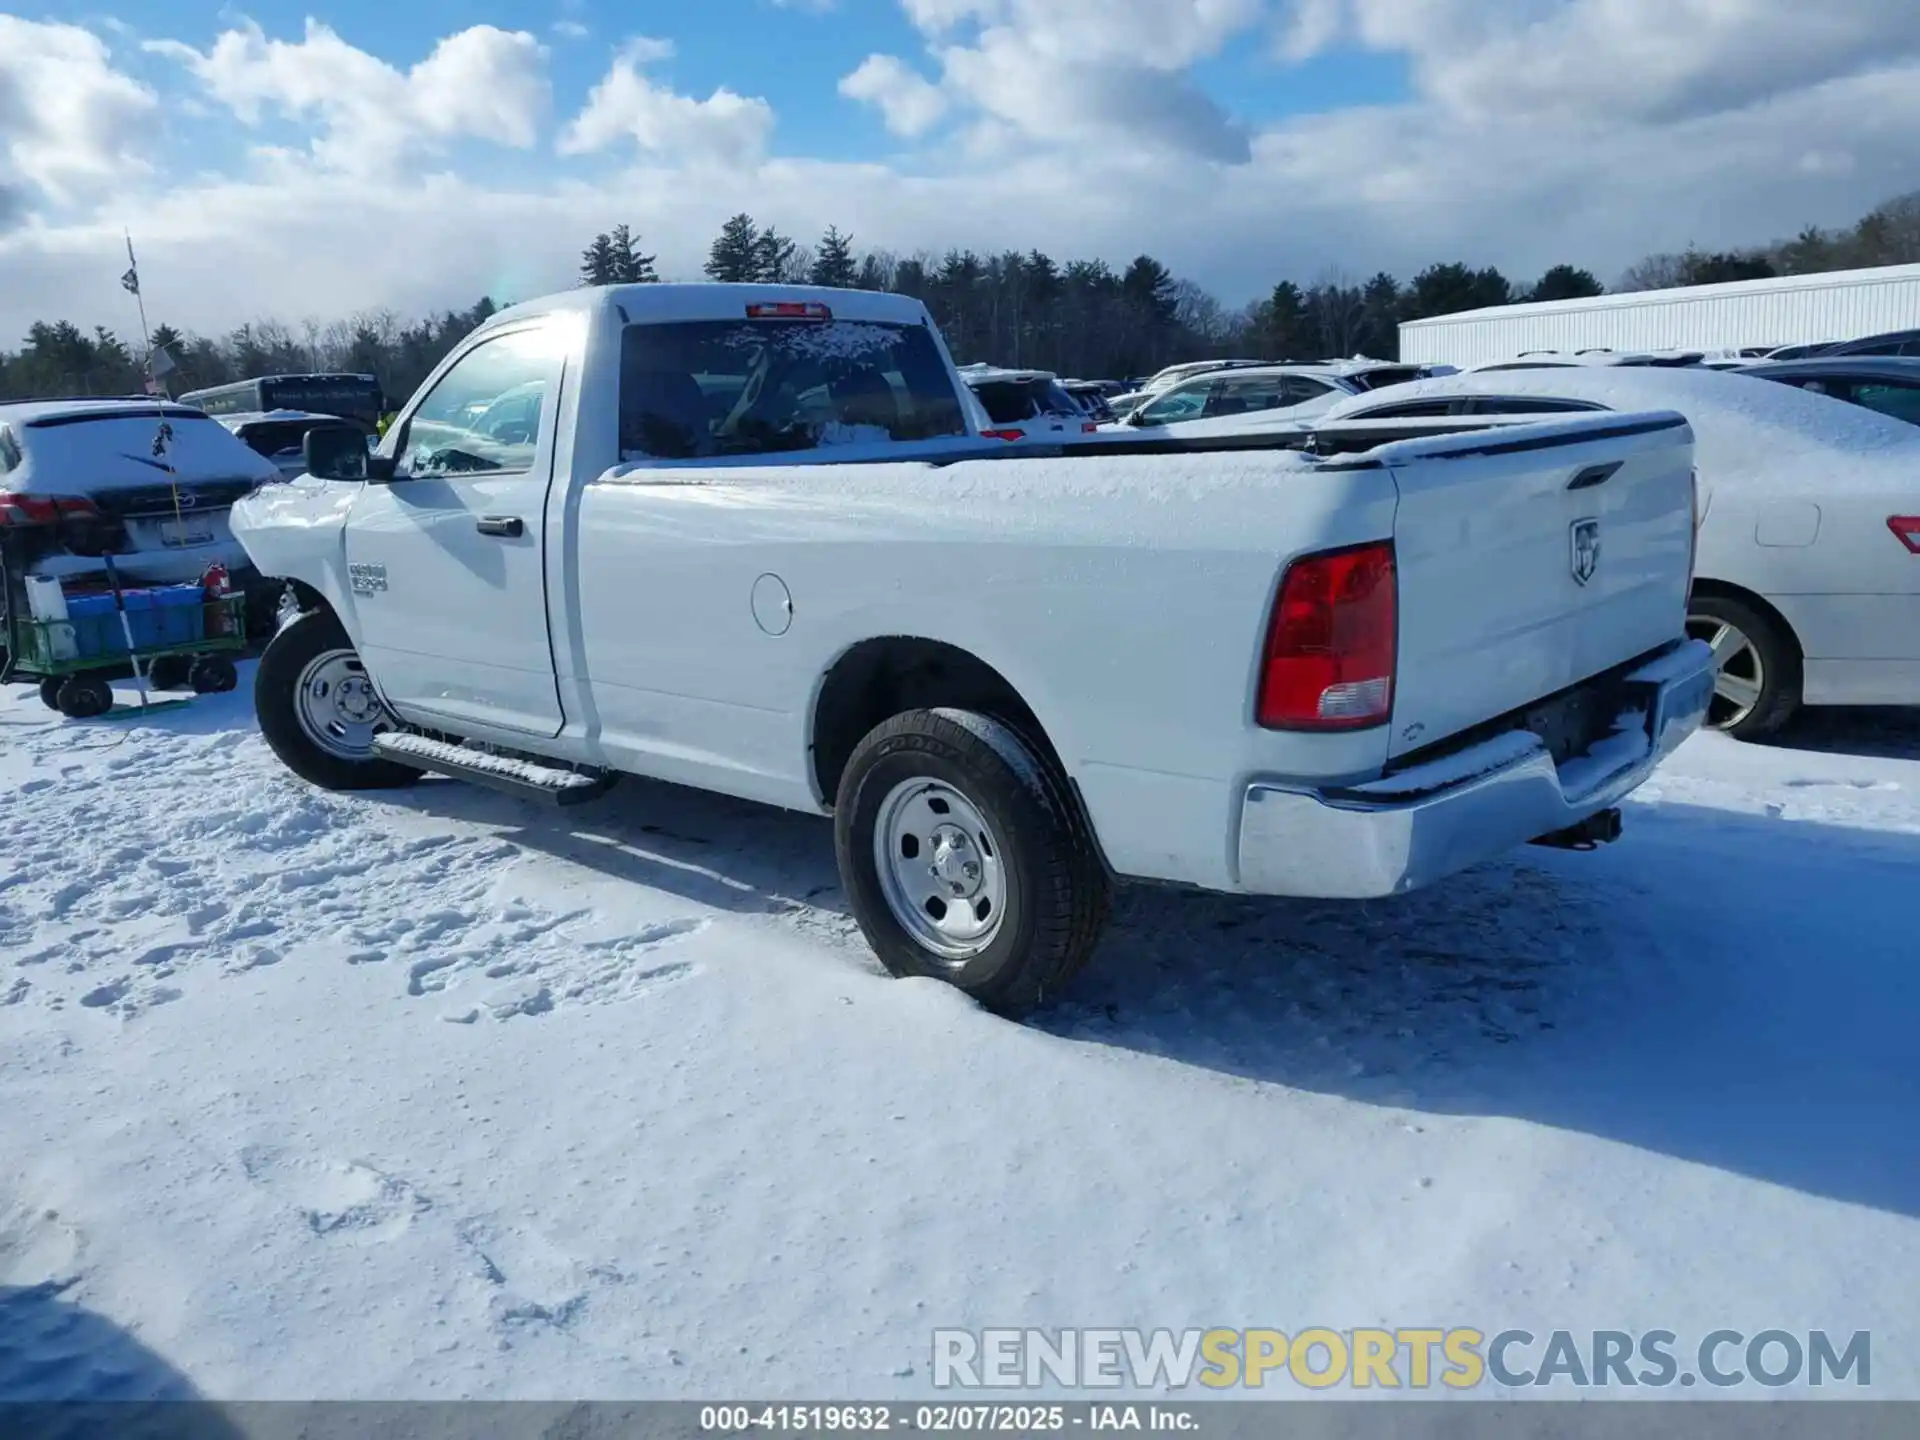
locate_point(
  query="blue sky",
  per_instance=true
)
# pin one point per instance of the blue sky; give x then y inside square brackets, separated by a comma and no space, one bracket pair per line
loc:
[336,157]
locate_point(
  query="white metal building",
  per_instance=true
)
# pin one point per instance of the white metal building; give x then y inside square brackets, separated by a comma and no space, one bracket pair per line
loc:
[1787,310]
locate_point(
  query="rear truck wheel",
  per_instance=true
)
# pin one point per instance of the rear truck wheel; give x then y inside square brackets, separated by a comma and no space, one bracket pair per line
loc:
[82,697]
[169,672]
[319,711]
[965,860]
[1757,681]
[212,675]
[50,692]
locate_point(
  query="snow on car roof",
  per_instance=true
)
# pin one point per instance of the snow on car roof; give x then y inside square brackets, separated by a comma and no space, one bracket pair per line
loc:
[1744,428]
[981,373]
[29,412]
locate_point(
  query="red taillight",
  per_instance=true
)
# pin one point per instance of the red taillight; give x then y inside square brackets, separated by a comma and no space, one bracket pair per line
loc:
[1087,427]
[789,310]
[1907,527]
[40,509]
[1330,644]
[1003,434]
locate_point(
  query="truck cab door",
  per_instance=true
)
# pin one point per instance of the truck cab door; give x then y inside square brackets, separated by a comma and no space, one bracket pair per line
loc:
[447,559]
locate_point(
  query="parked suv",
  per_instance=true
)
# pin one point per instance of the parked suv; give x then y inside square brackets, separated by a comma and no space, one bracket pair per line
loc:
[146,482]
[1026,404]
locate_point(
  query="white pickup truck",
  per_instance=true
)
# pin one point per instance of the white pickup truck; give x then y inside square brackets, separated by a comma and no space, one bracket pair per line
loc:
[747,539]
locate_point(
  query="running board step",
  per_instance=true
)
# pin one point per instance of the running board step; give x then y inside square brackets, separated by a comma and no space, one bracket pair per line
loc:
[527,778]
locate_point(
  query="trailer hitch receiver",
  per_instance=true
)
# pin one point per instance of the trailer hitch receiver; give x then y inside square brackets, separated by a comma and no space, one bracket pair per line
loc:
[1590,834]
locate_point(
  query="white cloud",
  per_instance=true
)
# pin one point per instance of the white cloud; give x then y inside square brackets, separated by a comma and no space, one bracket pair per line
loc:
[910,104]
[1524,144]
[570,30]
[481,83]
[725,128]
[70,124]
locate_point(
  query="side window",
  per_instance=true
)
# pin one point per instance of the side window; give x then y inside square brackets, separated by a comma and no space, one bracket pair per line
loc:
[1301,389]
[1902,402]
[1187,403]
[1237,397]
[1407,410]
[9,450]
[1522,405]
[483,417]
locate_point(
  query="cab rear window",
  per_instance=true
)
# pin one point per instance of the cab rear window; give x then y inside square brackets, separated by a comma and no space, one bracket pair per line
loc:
[702,389]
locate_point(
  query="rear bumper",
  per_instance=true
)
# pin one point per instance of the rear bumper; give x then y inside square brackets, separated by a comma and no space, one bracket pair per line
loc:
[1424,823]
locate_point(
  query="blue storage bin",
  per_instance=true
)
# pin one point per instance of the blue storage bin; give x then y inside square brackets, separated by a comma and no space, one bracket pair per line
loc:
[159,616]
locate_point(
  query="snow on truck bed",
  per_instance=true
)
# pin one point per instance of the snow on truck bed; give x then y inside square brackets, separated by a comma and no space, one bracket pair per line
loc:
[438,1093]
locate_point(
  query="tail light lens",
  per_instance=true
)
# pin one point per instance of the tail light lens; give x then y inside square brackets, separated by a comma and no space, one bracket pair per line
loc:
[17,509]
[1003,434]
[1907,527]
[1087,427]
[1329,659]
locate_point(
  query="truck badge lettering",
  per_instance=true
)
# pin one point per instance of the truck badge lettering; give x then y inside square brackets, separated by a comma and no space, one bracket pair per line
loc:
[367,579]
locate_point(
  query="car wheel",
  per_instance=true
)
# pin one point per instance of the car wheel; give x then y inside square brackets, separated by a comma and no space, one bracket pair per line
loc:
[169,672]
[1757,681]
[965,860]
[212,675]
[319,711]
[82,697]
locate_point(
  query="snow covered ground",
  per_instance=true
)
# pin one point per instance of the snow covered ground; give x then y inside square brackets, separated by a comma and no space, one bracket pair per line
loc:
[436,1093]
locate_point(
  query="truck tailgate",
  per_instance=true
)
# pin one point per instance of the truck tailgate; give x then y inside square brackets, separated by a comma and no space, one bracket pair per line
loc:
[1531,559]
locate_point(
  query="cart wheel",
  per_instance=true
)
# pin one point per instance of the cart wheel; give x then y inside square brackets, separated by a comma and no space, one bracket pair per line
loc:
[213,675]
[81,697]
[50,692]
[170,672]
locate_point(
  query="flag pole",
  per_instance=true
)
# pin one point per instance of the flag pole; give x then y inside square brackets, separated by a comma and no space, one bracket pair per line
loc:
[132,282]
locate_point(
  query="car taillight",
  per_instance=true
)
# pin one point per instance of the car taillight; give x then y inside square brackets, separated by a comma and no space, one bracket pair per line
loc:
[1907,527]
[16,509]
[1329,658]
[1087,427]
[1003,434]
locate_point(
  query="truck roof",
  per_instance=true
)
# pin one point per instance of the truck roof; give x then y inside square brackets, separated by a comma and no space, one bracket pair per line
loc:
[662,303]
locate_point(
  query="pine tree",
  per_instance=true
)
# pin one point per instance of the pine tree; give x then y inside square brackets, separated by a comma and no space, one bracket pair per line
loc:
[597,261]
[630,267]
[773,261]
[735,255]
[833,262]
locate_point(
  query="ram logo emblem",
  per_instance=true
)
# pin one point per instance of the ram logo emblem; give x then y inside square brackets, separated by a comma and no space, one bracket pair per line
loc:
[1586,550]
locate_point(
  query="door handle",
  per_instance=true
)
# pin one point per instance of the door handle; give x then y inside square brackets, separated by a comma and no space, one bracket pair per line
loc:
[1595,475]
[510,526]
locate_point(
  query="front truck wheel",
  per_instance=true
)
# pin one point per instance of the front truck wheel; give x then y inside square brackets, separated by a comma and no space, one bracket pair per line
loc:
[319,711]
[964,858]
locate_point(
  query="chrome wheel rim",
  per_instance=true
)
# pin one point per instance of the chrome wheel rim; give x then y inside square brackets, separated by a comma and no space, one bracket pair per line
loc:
[1740,674]
[337,706]
[940,869]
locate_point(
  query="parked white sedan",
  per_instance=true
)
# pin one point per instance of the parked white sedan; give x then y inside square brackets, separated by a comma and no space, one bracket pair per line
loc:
[1807,577]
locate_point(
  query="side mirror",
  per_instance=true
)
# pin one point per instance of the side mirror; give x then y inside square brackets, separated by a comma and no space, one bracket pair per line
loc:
[1138,417]
[339,452]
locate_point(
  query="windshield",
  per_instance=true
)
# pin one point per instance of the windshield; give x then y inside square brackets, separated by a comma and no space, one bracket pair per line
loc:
[707,388]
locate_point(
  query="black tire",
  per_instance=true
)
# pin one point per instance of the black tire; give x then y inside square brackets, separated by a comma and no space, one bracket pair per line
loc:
[50,692]
[82,697]
[275,699]
[1056,891]
[212,675]
[169,672]
[1771,651]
